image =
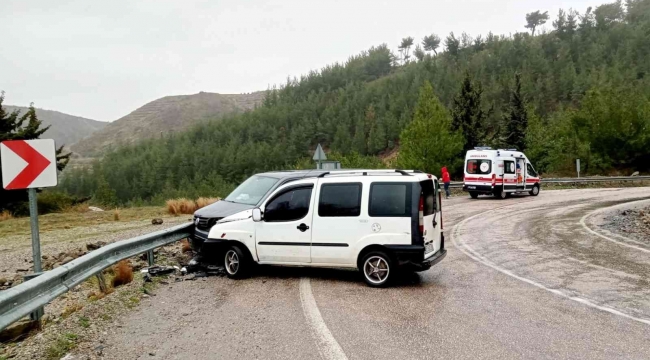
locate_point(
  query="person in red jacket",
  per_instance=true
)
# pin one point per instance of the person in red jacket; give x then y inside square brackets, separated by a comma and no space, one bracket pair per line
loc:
[446,179]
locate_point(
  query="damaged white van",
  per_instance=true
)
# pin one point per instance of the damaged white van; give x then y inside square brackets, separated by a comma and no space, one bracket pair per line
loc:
[377,221]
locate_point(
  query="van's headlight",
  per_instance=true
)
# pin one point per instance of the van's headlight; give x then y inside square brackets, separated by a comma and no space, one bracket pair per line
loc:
[225,220]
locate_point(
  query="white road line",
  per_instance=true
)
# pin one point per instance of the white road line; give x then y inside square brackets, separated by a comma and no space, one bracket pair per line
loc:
[328,348]
[467,250]
[584,225]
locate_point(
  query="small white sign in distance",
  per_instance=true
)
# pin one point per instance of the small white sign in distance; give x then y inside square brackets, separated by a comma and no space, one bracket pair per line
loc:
[28,164]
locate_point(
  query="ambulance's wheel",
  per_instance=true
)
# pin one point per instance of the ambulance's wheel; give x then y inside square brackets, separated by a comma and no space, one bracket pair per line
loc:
[473,194]
[500,193]
[534,191]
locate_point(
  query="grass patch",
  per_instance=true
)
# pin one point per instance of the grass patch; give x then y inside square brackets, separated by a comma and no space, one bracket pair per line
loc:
[72,219]
[71,309]
[61,346]
[84,322]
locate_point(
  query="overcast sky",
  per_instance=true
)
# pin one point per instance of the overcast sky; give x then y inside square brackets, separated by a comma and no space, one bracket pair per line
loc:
[104,59]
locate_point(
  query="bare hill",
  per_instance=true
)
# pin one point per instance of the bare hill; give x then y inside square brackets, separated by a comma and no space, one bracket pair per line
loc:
[165,115]
[64,129]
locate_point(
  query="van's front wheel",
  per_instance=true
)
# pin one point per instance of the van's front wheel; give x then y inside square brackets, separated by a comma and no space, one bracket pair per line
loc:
[534,191]
[377,269]
[236,263]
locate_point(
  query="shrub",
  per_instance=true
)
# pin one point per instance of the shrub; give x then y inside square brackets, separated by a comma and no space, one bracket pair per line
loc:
[5,215]
[123,273]
[203,201]
[185,246]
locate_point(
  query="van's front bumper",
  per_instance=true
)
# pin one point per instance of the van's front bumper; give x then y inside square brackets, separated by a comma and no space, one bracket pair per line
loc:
[412,256]
[199,240]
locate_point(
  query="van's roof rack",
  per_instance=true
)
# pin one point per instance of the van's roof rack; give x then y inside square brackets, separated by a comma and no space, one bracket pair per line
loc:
[508,149]
[364,172]
[482,148]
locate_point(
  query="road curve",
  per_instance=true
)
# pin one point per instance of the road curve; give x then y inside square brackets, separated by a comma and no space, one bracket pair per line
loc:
[523,278]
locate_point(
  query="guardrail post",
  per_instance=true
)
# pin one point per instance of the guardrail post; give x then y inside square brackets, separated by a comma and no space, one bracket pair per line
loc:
[150,257]
[37,314]
[102,282]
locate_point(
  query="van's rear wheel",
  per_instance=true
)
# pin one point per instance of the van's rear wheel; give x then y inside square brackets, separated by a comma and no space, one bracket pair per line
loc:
[236,263]
[500,193]
[534,191]
[377,269]
[473,194]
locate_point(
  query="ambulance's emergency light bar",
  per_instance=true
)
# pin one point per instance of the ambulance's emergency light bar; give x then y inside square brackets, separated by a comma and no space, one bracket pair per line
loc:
[489,148]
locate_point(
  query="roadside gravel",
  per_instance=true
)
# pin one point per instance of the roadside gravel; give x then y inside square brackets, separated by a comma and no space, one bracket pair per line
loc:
[632,222]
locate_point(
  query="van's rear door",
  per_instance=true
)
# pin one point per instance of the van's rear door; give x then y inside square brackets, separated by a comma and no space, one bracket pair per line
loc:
[430,216]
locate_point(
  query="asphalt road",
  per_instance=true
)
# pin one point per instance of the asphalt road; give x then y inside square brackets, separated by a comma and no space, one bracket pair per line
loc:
[524,277]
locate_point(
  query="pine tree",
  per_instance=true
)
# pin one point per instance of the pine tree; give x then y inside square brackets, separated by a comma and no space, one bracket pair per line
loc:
[359,140]
[428,143]
[516,119]
[468,116]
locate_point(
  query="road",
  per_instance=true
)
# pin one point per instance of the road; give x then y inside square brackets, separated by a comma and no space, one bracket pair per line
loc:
[523,278]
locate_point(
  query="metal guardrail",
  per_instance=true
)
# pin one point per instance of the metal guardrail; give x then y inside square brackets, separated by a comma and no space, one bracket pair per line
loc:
[25,298]
[459,184]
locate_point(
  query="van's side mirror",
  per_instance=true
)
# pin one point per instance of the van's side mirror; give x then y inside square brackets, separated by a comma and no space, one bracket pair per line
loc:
[257,215]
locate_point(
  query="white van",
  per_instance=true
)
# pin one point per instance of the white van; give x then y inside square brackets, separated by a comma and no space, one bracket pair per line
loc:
[376,221]
[499,172]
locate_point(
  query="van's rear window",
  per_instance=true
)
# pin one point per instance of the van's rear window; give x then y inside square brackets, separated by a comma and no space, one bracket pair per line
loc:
[479,166]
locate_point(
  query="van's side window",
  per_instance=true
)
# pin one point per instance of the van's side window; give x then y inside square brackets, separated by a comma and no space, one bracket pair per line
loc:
[530,170]
[341,199]
[509,167]
[391,199]
[479,166]
[289,206]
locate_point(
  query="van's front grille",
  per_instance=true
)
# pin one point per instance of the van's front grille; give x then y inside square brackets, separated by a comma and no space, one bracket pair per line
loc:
[204,223]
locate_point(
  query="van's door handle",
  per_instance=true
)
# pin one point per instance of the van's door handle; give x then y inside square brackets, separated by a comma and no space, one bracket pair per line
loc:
[302,227]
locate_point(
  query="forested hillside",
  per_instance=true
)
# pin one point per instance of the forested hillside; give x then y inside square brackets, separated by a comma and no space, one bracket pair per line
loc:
[581,90]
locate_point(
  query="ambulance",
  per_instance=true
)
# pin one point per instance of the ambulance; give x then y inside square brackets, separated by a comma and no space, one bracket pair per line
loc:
[500,172]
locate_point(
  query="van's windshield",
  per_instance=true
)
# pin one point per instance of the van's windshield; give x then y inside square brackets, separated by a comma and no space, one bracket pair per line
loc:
[252,190]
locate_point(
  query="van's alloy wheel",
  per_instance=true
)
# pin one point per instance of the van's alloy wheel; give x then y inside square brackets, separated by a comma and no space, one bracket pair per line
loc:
[377,269]
[232,262]
[236,262]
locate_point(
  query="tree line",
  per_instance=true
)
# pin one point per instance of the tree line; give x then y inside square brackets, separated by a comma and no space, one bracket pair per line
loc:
[580,90]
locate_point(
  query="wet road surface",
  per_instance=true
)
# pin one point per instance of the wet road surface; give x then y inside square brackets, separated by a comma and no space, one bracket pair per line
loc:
[523,278]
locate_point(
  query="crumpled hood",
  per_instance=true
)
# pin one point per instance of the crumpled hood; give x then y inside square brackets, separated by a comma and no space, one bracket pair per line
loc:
[222,209]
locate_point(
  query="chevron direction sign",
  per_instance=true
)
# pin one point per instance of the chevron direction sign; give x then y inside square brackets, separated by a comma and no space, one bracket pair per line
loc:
[28,164]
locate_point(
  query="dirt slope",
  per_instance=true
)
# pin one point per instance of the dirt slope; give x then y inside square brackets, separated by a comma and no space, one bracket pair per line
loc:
[165,115]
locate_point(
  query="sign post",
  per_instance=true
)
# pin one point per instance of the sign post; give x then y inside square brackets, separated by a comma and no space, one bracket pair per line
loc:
[319,156]
[30,164]
[578,167]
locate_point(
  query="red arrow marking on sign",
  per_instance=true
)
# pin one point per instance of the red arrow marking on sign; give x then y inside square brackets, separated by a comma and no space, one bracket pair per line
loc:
[36,163]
